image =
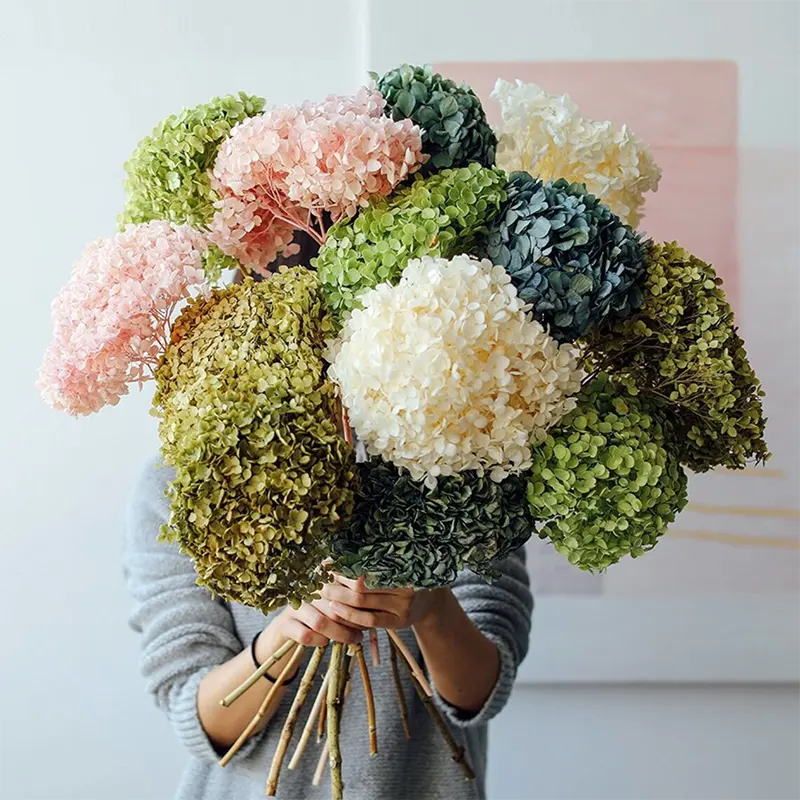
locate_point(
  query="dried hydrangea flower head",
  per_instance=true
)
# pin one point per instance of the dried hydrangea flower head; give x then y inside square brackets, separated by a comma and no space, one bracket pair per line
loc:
[568,255]
[111,320]
[440,215]
[547,136]
[446,372]
[404,533]
[284,169]
[606,480]
[263,477]
[682,349]
[455,132]
[167,177]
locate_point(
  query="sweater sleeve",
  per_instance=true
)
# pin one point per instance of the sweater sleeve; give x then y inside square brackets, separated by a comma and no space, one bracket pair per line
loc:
[185,631]
[501,611]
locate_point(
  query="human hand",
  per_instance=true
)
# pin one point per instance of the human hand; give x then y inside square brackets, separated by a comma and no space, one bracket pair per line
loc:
[353,604]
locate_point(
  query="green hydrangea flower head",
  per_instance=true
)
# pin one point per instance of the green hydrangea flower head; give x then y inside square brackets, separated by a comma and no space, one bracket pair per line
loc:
[404,533]
[567,254]
[606,482]
[167,175]
[248,422]
[454,127]
[683,350]
[441,215]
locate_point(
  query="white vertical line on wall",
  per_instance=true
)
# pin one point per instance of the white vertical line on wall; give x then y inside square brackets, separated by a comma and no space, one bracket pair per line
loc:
[362,49]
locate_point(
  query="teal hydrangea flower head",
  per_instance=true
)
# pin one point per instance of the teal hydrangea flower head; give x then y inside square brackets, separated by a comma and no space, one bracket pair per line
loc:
[606,482]
[567,254]
[404,533]
[441,216]
[455,130]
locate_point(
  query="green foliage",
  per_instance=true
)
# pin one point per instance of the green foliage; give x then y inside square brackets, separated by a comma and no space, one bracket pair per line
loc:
[605,479]
[167,175]
[567,254]
[682,349]
[248,422]
[454,127]
[436,216]
[404,533]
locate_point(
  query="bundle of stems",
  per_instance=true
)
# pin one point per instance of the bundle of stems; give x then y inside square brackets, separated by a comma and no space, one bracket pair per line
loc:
[326,712]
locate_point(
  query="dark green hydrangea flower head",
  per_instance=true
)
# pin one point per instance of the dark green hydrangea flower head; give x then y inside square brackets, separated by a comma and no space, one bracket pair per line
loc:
[454,127]
[167,175]
[567,254]
[441,215]
[683,349]
[247,420]
[404,533]
[605,480]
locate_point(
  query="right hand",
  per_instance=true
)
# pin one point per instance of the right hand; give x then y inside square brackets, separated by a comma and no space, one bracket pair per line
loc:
[313,625]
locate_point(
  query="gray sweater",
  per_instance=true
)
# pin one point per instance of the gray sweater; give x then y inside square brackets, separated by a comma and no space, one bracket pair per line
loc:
[186,632]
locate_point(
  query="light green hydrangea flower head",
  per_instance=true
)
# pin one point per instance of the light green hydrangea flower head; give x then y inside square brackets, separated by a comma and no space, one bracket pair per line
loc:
[441,215]
[167,175]
[606,482]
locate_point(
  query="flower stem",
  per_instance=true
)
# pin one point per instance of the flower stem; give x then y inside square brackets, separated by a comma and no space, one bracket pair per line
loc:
[457,752]
[310,723]
[259,673]
[398,685]
[415,668]
[259,715]
[373,729]
[333,719]
[291,720]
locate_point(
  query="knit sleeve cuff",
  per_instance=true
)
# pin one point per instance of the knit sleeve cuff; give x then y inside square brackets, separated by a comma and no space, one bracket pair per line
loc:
[497,698]
[186,722]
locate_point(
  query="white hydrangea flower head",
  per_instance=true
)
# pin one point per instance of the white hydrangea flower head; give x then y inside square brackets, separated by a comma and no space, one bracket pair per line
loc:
[446,371]
[547,136]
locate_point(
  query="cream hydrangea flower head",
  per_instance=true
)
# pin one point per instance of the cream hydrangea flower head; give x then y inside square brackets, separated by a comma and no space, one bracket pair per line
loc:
[446,371]
[547,136]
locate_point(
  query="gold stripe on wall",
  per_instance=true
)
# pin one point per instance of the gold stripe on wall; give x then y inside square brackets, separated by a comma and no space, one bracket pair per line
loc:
[754,472]
[744,511]
[742,540]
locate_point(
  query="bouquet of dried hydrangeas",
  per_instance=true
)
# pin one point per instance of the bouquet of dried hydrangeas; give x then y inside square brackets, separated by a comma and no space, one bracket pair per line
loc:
[482,317]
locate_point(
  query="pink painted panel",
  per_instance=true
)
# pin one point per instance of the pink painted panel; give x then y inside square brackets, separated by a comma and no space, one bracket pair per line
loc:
[686,111]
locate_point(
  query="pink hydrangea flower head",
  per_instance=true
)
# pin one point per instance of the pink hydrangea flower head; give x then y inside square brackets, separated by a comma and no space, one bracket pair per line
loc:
[111,320]
[283,169]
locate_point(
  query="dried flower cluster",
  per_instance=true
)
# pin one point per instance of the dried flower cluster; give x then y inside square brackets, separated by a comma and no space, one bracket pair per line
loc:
[682,350]
[454,127]
[441,215]
[111,320]
[547,136]
[606,481]
[405,533]
[567,254]
[263,477]
[446,372]
[280,171]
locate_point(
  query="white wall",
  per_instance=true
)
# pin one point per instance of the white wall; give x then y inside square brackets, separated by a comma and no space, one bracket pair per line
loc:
[81,82]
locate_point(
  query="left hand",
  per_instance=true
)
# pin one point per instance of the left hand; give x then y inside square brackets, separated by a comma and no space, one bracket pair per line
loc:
[353,604]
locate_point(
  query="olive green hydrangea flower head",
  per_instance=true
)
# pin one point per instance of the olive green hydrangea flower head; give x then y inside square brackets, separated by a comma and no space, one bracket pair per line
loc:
[567,254]
[167,175]
[682,348]
[605,481]
[441,215]
[248,422]
[454,127]
[404,533]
